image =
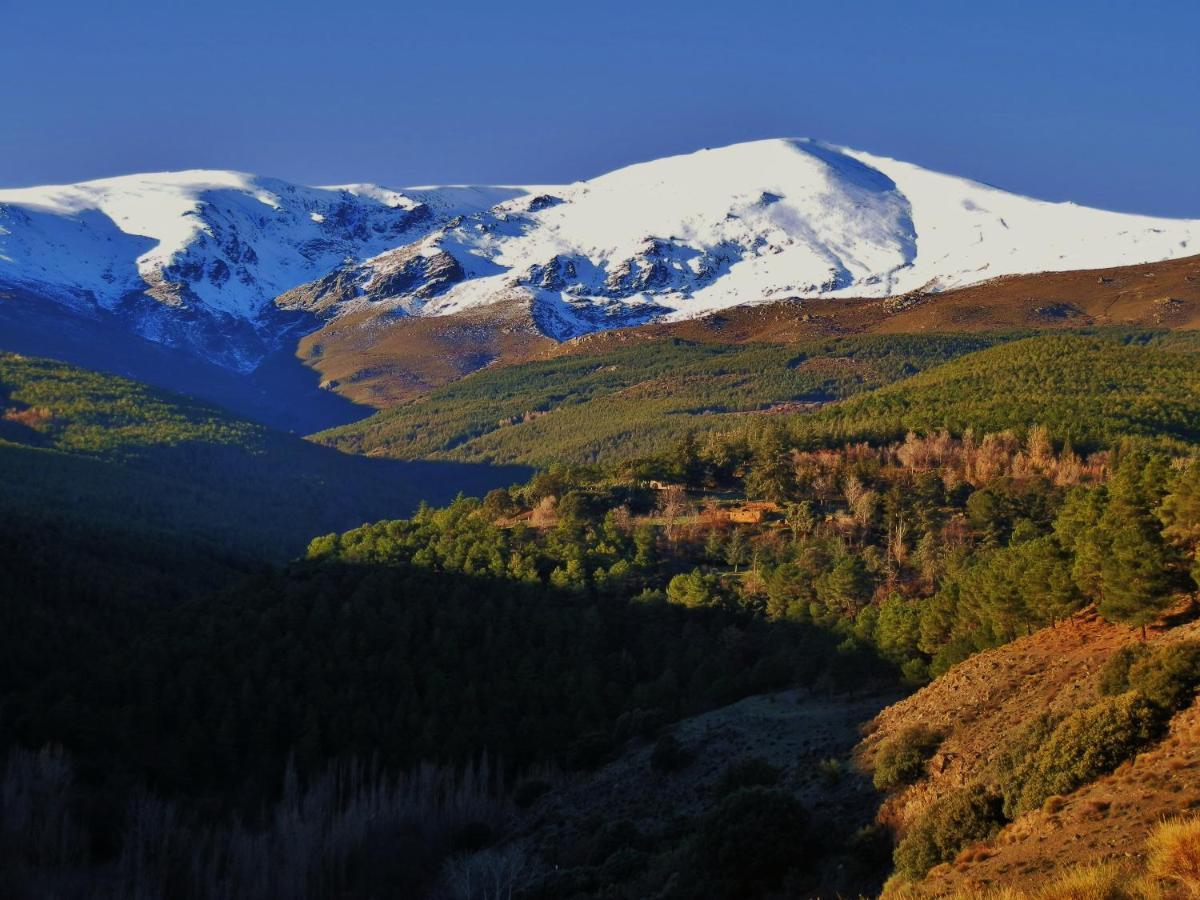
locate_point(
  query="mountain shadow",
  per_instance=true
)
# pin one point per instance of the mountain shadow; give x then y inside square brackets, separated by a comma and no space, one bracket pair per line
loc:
[281,392]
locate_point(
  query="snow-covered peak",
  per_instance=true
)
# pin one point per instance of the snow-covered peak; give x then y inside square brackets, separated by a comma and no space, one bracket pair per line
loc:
[218,241]
[687,234]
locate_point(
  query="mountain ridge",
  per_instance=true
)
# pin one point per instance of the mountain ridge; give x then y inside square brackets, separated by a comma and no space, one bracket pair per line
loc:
[748,223]
[235,270]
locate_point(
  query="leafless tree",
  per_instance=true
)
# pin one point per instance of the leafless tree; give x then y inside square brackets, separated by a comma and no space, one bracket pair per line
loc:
[492,874]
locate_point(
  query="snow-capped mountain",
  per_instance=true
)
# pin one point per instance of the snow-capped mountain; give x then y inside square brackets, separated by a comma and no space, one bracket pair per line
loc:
[216,261]
[196,258]
[685,235]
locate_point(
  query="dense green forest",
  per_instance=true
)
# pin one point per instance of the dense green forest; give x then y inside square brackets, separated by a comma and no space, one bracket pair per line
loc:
[1093,391]
[371,717]
[638,400]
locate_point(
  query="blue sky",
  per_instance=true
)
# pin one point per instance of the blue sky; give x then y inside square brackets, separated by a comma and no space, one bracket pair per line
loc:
[1097,102]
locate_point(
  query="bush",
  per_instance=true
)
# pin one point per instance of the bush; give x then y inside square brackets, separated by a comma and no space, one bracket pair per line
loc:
[1012,766]
[1174,853]
[1088,744]
[1114,674]
[752,839]
[949,824]
[669,755]
[754,771]
[832,770]
[1169,675]
[901,759]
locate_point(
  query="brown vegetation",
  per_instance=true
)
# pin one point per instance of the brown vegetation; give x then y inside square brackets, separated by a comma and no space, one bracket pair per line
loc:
[384,358]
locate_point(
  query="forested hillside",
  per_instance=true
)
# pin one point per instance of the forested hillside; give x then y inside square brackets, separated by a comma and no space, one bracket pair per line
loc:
[636,400]
[1091,390]
[86,448]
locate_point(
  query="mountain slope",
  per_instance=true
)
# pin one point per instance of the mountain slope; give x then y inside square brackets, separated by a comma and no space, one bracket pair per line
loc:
[1091,390]
[684,235]
[628,401]
[609,401]
[382,361]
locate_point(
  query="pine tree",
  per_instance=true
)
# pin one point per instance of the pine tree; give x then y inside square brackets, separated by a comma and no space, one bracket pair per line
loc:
[1135,578]
[772,475]
[846,586]
[1180,514]
[1135,584]
[736,548]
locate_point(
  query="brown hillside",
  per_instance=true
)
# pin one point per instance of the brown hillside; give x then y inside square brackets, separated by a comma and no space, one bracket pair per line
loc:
[1153,295]
[382,359]
[981,703]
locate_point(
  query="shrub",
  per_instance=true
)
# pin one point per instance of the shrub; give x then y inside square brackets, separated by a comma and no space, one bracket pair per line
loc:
[1088,744]
[1012,766]
[1054,804]
[1165,674]
[951,823]
[832,770]
[1114,674]
[747,844]
[1168,675]
[1174,853]
[901,759]
[669,755]
[753,771]
[868,853]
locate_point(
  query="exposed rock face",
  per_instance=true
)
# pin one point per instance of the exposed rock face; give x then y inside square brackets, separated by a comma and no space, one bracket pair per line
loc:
[320,296]
[556,275]
[542,201]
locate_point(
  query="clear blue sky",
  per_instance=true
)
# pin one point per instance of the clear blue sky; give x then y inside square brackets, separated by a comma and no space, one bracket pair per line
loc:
[1097,102]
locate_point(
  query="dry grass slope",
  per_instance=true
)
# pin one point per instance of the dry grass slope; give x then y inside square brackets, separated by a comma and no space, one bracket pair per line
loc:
[981,703]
